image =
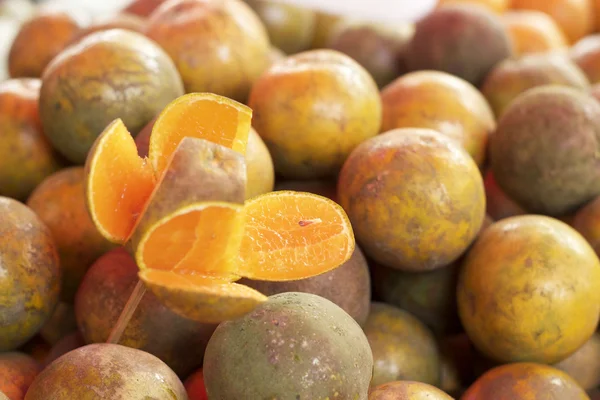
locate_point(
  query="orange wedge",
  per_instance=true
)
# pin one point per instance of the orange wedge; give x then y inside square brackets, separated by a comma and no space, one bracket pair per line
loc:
[222,121]
[293,235]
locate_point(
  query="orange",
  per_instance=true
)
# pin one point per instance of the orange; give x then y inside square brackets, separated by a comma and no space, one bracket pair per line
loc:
[533,32]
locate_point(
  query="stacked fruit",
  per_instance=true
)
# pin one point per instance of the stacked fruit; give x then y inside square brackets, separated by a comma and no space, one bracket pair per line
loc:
[228,200]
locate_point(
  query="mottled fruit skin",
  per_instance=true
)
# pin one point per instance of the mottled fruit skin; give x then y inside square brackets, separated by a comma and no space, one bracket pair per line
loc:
[512,77]
[380,49]
[586,54]
[220,47]
[429,295]
[177,341]
[291,28]
[39,40]
[415,198]
[463,40]
[295,345]
[194,386]
[348,286]
[407,390]
[17,371]
[584,364]
[30,279]
[535,163]
[106,371]
[312,109]
[59,201]
[403,347]
[442,102]
[525,381]
[86,86]
[529,290]
[61,323]
[26,155]
[260,171]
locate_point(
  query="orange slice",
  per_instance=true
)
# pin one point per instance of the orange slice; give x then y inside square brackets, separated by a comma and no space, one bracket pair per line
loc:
[202,115]
[118,183]
[293,235]
[206,299]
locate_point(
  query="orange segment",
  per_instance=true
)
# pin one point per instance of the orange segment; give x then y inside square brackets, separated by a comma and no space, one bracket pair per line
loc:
[203,238]
[293,235]
[118,183]
[201,115]
[201,298]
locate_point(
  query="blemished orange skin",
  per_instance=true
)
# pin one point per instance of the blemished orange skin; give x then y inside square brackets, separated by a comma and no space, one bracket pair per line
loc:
[153,328]
[533,32]
[220,47]
[407,390]
[312,109]
[497,6]
[584,364]
[26,156]
[524,381]
[17,371]
[498,204]
[575,17]
[30,282]
[529,290]
[586,54]
[85,87]
[39,40]
[59,201]
[442,102]
[415,198]
[194,386]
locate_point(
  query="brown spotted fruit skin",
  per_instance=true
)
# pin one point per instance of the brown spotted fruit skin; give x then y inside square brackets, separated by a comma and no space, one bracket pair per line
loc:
[525,381]
[153,328]
[536,163]
[415,198]
[26,155]
[107,371]
[220,47]
[30,282]
[107,75]
[17,371]
[295,345]
[348,286]
[407,390]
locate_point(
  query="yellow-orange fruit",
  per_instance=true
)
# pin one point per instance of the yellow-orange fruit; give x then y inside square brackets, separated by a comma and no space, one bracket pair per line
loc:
[533,32]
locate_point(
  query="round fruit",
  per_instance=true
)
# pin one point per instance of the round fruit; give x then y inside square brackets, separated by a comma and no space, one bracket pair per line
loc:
[586,54]
[17,371]
[106,371]
[291,28]
[407,390]
[295,345]
[463,40]
[529,290]
[26,155]
[39,40]
[194,386]
[59,201]
[380,49]
[575,17]
[30,278]
[403,347]
[584,364]
[325,27]
[415,198]
[512,77]
[60,324]
[153,328]
[533,160]
[525,381]
[587,223]
[87,85]
[259,167]
[498,204]
[533,32]
[348,286]
[218,46]
[312,109]
[442,102]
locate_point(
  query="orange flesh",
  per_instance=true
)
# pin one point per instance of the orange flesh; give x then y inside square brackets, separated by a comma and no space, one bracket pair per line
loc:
[200,241]
[177,280]
[121,184]
[293,235]
[202,116]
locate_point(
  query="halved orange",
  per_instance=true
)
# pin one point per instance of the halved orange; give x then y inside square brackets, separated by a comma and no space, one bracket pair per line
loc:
[222,121]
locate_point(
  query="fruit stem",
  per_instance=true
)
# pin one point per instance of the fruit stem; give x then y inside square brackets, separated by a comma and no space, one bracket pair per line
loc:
[134,300]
